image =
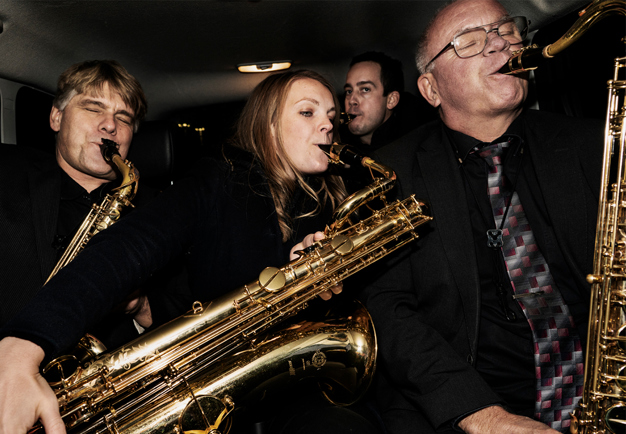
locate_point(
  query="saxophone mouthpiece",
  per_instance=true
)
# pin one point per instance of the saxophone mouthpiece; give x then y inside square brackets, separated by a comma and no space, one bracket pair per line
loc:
[108,148]
[345,118]
[338,153]
[332,151]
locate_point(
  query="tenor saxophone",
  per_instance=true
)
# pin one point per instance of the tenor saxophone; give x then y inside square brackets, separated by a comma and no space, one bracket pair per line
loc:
[602,408]
[191,373]
[109,211]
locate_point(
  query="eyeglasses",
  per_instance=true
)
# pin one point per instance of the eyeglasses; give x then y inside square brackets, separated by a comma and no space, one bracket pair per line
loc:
[472,42]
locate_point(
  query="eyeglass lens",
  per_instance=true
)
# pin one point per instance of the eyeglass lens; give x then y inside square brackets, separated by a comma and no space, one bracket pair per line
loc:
[473,42]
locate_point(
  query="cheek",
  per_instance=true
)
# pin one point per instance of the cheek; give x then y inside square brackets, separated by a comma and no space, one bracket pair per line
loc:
[319,161]
[123,150]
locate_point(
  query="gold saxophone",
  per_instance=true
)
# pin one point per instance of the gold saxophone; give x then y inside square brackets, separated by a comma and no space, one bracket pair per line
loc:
[188,375]
[530,57]
[109,211]
[602,408]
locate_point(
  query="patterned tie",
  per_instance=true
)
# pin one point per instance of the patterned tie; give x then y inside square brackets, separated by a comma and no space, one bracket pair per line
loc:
[558,351]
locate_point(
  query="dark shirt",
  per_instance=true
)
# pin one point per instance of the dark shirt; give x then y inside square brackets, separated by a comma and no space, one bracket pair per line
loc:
[75,203]
[505,347]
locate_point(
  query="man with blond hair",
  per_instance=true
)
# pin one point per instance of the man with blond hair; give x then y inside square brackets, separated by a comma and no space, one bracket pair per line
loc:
[46,197]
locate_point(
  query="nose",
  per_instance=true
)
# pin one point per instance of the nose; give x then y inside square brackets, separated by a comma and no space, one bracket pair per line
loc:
[495,43]
[351,100]
[108,124]
[327,126]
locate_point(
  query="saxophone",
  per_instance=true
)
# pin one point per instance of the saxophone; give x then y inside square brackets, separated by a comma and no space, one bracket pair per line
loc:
[190,374]
[530,57]
[602,408]
[603,404]
[109,211]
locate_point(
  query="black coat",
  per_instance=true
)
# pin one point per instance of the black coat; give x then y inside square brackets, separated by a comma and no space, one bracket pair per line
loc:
[29,205]
[426,307]
[223,221]
[29,209]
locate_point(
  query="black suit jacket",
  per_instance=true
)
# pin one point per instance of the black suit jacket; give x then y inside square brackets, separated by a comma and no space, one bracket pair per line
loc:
[426,306]
[30,183]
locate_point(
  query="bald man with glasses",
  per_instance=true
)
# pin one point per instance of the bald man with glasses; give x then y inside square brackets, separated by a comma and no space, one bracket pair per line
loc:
[482,325]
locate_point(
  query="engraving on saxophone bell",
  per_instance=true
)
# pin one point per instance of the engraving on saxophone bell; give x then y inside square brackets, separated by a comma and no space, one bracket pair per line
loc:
[272,279]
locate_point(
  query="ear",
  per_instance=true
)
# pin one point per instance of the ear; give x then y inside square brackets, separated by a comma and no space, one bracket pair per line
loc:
[427,85]
[55,119]
[393,99]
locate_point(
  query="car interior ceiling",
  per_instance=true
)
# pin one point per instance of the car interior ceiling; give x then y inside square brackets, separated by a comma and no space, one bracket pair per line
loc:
[574,82]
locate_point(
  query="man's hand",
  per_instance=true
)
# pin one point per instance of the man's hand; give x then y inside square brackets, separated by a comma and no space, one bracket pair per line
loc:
[139,307]
[308,241]
[25,396]
[496,420]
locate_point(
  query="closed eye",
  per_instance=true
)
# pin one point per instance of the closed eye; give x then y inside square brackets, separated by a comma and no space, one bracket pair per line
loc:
[124,119]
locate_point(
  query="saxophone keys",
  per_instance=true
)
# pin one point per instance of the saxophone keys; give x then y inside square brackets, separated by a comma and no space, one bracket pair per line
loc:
[272,279]
[342,245]
[594,278]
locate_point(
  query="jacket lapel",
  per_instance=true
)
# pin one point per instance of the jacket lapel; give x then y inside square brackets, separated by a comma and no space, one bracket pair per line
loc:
[45,187]
[446,192]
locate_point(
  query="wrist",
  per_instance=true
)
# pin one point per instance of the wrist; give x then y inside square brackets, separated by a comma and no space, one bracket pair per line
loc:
[479,421]
[21,351]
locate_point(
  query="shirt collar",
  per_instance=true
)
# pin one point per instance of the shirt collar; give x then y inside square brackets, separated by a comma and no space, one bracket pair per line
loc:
[463,144]
[71,190]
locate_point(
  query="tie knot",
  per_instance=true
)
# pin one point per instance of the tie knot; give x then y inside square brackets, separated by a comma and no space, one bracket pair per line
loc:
[492,152]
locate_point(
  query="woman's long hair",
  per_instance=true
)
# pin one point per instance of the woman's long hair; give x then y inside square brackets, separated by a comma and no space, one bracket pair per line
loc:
[254,134]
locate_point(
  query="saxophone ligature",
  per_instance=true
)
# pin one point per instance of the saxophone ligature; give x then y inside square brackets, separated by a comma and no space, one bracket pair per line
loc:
[190,374]
[109,211]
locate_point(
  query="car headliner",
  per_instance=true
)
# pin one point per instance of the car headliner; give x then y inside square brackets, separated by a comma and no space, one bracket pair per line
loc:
[185,52]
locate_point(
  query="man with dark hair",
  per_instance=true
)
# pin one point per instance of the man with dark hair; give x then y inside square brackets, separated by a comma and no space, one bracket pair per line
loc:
[375,100]
[45,198]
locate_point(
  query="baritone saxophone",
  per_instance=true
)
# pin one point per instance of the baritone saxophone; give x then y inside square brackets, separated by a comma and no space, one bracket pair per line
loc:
[190,374]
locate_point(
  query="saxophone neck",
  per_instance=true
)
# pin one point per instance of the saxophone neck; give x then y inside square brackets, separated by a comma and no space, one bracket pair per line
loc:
[130,175]
[339,153]
[531,57]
